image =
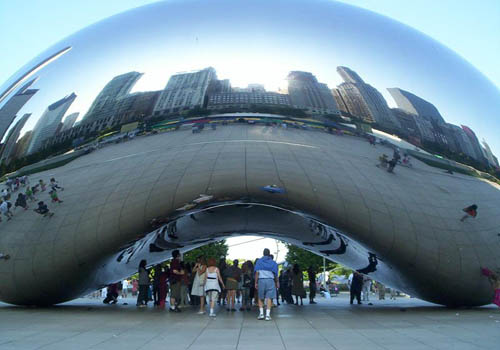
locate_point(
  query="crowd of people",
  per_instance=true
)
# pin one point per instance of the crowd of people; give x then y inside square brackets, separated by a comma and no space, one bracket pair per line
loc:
[26,193]
[208,283]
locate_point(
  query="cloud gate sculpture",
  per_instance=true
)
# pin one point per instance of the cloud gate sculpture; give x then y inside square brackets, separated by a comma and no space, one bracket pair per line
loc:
[182,123]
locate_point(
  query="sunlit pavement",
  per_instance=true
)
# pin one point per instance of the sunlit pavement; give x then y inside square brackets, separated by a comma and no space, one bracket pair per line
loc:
[331,324]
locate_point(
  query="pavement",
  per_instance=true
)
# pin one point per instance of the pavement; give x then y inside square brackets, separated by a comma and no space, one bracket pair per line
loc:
[405,323]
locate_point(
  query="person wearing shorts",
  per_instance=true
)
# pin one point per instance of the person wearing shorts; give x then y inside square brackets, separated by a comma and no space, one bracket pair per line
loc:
[176,273]
[212,286]
[266,283]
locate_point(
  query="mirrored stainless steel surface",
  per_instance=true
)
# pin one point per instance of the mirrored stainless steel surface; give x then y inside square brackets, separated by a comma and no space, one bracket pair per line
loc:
[209,119]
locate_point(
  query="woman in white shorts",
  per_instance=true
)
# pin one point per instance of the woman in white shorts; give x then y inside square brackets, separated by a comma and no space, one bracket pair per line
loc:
[198,288]
[212,287]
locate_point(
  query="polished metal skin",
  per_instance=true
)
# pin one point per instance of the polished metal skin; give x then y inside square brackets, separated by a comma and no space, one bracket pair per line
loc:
[291,168]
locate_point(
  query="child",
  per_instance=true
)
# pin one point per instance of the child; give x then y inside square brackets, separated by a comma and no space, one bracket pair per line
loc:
[29,194]
[21,201]
[471,212]
[42,185]
[54,185]
[43,209]
[55,198]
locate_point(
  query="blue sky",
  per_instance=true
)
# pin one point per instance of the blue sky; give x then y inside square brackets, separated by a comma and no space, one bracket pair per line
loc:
[470,28]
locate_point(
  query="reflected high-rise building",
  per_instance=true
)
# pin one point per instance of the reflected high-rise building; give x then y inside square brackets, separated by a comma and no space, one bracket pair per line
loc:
[363,100]
[11,139]
[489,155]
[416,105]
[10,108]
[185,91]
[475,145]
[307,93]
[103,104]
[69,121]
[49,122]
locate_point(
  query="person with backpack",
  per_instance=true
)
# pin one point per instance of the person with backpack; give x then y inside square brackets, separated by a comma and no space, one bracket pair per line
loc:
[43,209]
[21,201]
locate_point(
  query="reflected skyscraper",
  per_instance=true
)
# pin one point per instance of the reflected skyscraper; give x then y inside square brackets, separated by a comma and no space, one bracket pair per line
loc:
[307,93]
[364,101]
[103,104]
[48,123]
[11,139]
[10,108]
[416,105]
[185,91]
[69,121]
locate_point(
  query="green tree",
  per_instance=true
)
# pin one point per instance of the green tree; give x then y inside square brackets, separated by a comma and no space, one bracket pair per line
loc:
[305,259]
[213,250]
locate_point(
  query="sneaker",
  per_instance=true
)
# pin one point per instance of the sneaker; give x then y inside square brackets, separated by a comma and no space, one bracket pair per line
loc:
[201,312]
[268,318]
[212,314]
[260,317]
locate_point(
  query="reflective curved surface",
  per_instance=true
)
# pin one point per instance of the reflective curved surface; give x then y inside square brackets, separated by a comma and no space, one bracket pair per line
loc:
[185,122]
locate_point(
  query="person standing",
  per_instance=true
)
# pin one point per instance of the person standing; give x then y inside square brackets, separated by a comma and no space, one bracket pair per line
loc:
[311,272]
[266,283]
[381,291]
[356,279]
[246,283]
[233,275]
[494,280]
[222,270]
[198,289]
[156,284]
[184,284]
[125,285]
[212,287]
[175,281]
[135,287]
[162,287]
[367,283]
[298,284]
[142,298]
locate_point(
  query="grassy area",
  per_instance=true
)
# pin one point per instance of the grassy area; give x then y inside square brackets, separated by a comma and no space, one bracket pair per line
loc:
[42,168]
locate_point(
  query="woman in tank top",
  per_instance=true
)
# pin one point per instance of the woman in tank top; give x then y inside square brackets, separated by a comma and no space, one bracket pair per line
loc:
[212,287]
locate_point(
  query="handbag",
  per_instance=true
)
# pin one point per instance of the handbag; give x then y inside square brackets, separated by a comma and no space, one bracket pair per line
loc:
[201,279]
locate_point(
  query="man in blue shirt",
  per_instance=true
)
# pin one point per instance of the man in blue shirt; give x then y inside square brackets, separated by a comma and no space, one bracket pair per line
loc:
[266,283]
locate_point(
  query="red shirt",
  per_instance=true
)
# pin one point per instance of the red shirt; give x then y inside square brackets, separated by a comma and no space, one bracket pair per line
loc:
[175,265]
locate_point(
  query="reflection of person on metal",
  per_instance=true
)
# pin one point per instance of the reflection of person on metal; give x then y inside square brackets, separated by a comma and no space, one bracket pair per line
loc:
[372,264]
[340,250]
[471,212]
[495,283]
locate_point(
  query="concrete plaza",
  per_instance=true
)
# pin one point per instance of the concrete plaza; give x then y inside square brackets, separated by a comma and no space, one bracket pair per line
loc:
[331,324]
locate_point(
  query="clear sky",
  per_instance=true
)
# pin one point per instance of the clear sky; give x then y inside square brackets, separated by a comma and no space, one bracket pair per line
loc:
[470,28]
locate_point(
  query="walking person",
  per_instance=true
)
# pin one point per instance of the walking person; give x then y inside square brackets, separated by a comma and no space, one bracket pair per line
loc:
[54,185]
[162,287]
[213,283]
[5,210]
[54,196]
[246,283]
[298,284]
[233,275]
[311,272]
[125,285]
[21,201]
[470,212]
[266,283]
[198,289]
[222,270]
[176,273]
[142,298]
[29,194]
[356,284]
[184,285]
[42,184]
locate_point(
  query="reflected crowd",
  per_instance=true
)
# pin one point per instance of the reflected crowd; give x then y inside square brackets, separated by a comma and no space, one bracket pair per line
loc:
[208,285]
